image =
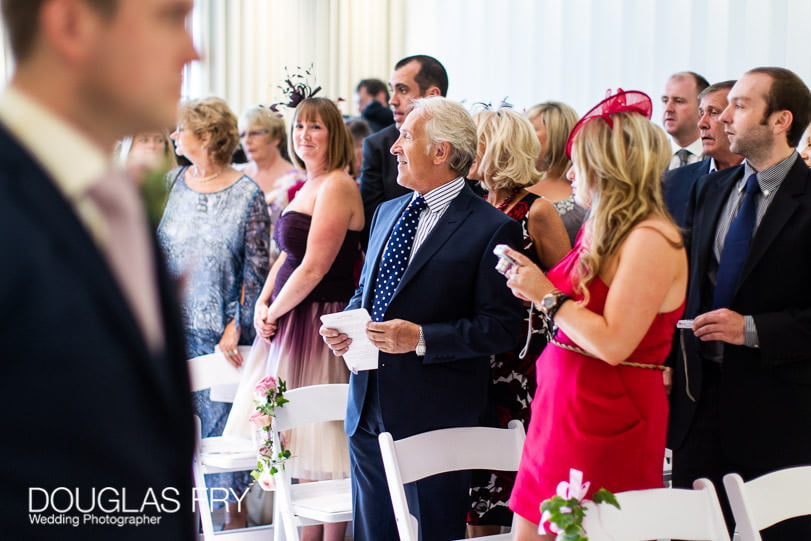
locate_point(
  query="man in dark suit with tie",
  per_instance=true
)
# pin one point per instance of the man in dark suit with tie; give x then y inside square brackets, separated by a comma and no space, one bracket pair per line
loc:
[742,375]
[679,182]
[97,425]
[413,77]
[680,116]
[436,319]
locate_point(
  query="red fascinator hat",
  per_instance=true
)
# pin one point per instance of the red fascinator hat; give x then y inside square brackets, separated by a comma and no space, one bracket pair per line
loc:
[632,100]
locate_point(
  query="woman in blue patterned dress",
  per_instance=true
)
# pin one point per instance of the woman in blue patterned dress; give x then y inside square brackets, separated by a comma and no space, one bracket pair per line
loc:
[214,233]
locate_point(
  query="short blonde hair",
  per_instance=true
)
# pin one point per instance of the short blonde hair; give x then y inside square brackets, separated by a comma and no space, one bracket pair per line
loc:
[212,121]
[340,144]
[559,120]
[509,150]
[448,122]
[622,168]
[266,119]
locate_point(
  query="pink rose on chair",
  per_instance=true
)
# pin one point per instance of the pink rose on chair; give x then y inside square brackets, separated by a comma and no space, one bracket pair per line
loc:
[259,419]
[267,481]
[264,385]
[269,394]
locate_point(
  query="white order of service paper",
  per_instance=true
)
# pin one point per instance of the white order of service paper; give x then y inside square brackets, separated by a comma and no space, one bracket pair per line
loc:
[362,354]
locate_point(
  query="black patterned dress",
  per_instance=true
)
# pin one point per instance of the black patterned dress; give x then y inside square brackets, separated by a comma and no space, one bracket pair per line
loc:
[511,389]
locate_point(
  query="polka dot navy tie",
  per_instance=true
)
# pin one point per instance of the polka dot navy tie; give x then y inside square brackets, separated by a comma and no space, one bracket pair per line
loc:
[395,258]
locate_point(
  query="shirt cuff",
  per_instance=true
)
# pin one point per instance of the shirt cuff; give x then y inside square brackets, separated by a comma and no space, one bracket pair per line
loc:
[750,338]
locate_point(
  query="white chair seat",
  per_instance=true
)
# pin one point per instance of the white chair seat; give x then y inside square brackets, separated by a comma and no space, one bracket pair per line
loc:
[227,453]
[325,501]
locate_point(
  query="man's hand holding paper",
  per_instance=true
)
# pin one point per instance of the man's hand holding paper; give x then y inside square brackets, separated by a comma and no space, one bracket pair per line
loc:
[342,329]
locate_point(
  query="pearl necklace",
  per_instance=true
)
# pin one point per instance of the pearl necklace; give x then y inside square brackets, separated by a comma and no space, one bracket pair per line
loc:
[208,178]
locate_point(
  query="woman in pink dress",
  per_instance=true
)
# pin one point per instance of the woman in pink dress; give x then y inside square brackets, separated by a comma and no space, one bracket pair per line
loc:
[615,300]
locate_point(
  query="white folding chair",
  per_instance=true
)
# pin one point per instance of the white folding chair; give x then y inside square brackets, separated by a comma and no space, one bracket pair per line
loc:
[768,499]
[220,454]
[318,502]
[659,513]
[449,449]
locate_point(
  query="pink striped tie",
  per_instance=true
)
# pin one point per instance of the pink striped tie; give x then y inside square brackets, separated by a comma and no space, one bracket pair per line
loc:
[128,250]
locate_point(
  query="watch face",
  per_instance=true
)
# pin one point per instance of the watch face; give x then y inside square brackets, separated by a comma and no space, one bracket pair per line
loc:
[549,301]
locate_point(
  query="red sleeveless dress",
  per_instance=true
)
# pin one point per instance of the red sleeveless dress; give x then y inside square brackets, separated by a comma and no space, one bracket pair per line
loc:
[609,422]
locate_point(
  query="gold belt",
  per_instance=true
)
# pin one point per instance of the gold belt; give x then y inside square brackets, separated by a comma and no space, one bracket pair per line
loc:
[582,351]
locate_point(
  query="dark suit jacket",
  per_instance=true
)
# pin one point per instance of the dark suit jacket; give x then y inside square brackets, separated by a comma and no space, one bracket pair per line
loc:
[377,116]
[467,313]
[765,410]
[678,183]
[378,174]
[85,405]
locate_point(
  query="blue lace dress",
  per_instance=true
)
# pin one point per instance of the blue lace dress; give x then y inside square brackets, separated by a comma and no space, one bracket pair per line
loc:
[216,246]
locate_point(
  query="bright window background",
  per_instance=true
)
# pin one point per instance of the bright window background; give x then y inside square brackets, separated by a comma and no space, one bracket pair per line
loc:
[526,50]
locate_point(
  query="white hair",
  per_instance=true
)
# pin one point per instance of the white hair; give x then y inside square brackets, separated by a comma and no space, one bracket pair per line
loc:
[448,122]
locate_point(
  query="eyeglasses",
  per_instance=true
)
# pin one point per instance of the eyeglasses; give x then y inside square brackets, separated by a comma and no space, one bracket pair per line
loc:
[256,133]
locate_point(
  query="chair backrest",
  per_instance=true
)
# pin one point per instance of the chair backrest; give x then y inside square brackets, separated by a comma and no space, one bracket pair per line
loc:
[449,449]
[659,513]
[768,499]
[311,404]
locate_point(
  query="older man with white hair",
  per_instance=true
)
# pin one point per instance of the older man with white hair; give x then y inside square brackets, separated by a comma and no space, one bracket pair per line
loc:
[439,310]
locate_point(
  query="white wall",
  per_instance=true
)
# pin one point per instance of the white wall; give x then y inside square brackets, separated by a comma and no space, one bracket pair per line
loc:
[573,50]
[527,50]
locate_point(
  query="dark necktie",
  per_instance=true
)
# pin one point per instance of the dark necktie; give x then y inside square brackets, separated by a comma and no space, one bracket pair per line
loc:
[683,155]
[736,246]
[395,259]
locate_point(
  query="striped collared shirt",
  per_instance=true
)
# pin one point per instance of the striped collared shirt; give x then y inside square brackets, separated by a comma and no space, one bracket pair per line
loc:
[438,201]
[769,181]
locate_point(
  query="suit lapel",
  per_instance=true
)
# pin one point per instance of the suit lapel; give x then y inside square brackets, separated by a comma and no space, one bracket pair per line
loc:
[387,217]
[780,210]
[717,193]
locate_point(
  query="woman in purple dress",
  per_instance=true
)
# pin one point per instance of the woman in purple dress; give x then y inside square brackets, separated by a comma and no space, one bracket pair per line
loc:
[318,234]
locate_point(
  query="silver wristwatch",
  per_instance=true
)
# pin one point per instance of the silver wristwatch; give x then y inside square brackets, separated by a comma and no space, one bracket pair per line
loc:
[420,349]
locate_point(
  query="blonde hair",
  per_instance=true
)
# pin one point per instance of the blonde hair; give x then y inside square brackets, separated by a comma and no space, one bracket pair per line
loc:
[509,149]
[340,144]
[212,118]
[559,120]
[267,120]
[622,168]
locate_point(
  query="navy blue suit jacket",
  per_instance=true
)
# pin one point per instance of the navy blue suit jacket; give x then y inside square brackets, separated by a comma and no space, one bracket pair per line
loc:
[377,116]
[764,405]
[467,313]
[85,404]
[678,184]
